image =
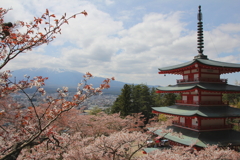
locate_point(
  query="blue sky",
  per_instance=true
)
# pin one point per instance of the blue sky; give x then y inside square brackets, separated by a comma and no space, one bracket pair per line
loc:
[131,39]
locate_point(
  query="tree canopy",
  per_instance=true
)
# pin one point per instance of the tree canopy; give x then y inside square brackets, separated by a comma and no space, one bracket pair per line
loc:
[139,99]
[22,128]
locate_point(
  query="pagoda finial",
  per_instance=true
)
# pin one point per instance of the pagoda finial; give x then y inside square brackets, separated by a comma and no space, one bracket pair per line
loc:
[199,13]
[200,36]
[200,32]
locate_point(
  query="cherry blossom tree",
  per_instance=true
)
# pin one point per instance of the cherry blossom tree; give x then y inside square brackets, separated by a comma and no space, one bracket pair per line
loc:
[98,125]
[22,128]
[85,137]
[118,145]
[42,30]
[33,125]
[183,153]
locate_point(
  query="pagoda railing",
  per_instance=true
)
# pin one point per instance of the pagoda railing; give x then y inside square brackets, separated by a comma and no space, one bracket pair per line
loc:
[175,122]
[201,102]
[217,80]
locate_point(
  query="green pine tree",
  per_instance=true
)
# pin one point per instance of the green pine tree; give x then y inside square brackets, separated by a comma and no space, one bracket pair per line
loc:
[140,98]
[157,98]
[123,102]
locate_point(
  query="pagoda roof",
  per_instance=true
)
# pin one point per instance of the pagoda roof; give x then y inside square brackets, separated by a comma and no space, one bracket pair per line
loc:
[202,139]
[225,67]
[204,111]
[148,150]
[209,87]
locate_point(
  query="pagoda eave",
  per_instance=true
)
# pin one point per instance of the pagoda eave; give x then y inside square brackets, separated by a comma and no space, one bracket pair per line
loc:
[194,89]
[177,71]
[199,87]
[194,115]
[202,139]
[163,91]
[157,112]
[197,65]
[199,111]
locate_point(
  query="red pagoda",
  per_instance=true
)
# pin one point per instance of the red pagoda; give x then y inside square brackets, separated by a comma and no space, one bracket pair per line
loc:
[201,115]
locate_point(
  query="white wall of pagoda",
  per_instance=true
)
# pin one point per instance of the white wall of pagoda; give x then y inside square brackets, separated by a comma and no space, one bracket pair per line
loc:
[184,98]
[195,98]
[194,70]
[201,124]
[182,119]
[198,97]
[196,76]
[186,72]
[195,121]
[197,73]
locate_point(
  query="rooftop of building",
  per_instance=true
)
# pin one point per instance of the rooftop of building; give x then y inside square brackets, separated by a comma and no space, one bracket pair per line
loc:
[203,111]
[206,62]
[202,139]
[208,87]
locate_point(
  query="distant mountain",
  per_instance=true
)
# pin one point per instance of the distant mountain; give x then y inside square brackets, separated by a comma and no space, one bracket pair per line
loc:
[60,77]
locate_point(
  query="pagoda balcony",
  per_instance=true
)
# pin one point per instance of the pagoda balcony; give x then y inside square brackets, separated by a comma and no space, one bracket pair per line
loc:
[193,80]
[210,127]
[191,102]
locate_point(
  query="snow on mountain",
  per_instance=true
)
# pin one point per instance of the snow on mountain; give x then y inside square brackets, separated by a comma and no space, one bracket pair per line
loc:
[61,77]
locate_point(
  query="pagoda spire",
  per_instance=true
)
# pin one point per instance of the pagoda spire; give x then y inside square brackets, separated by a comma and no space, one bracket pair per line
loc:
[200,32]
[200,36]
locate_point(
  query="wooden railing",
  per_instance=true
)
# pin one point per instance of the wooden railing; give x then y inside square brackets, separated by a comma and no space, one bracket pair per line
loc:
[202,127]
[217,80]
[201,102]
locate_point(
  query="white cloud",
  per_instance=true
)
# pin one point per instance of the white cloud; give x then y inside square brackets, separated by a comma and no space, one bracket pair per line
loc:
[232,28]
[109,2]
[100,44]
[232,59]
[217,42]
